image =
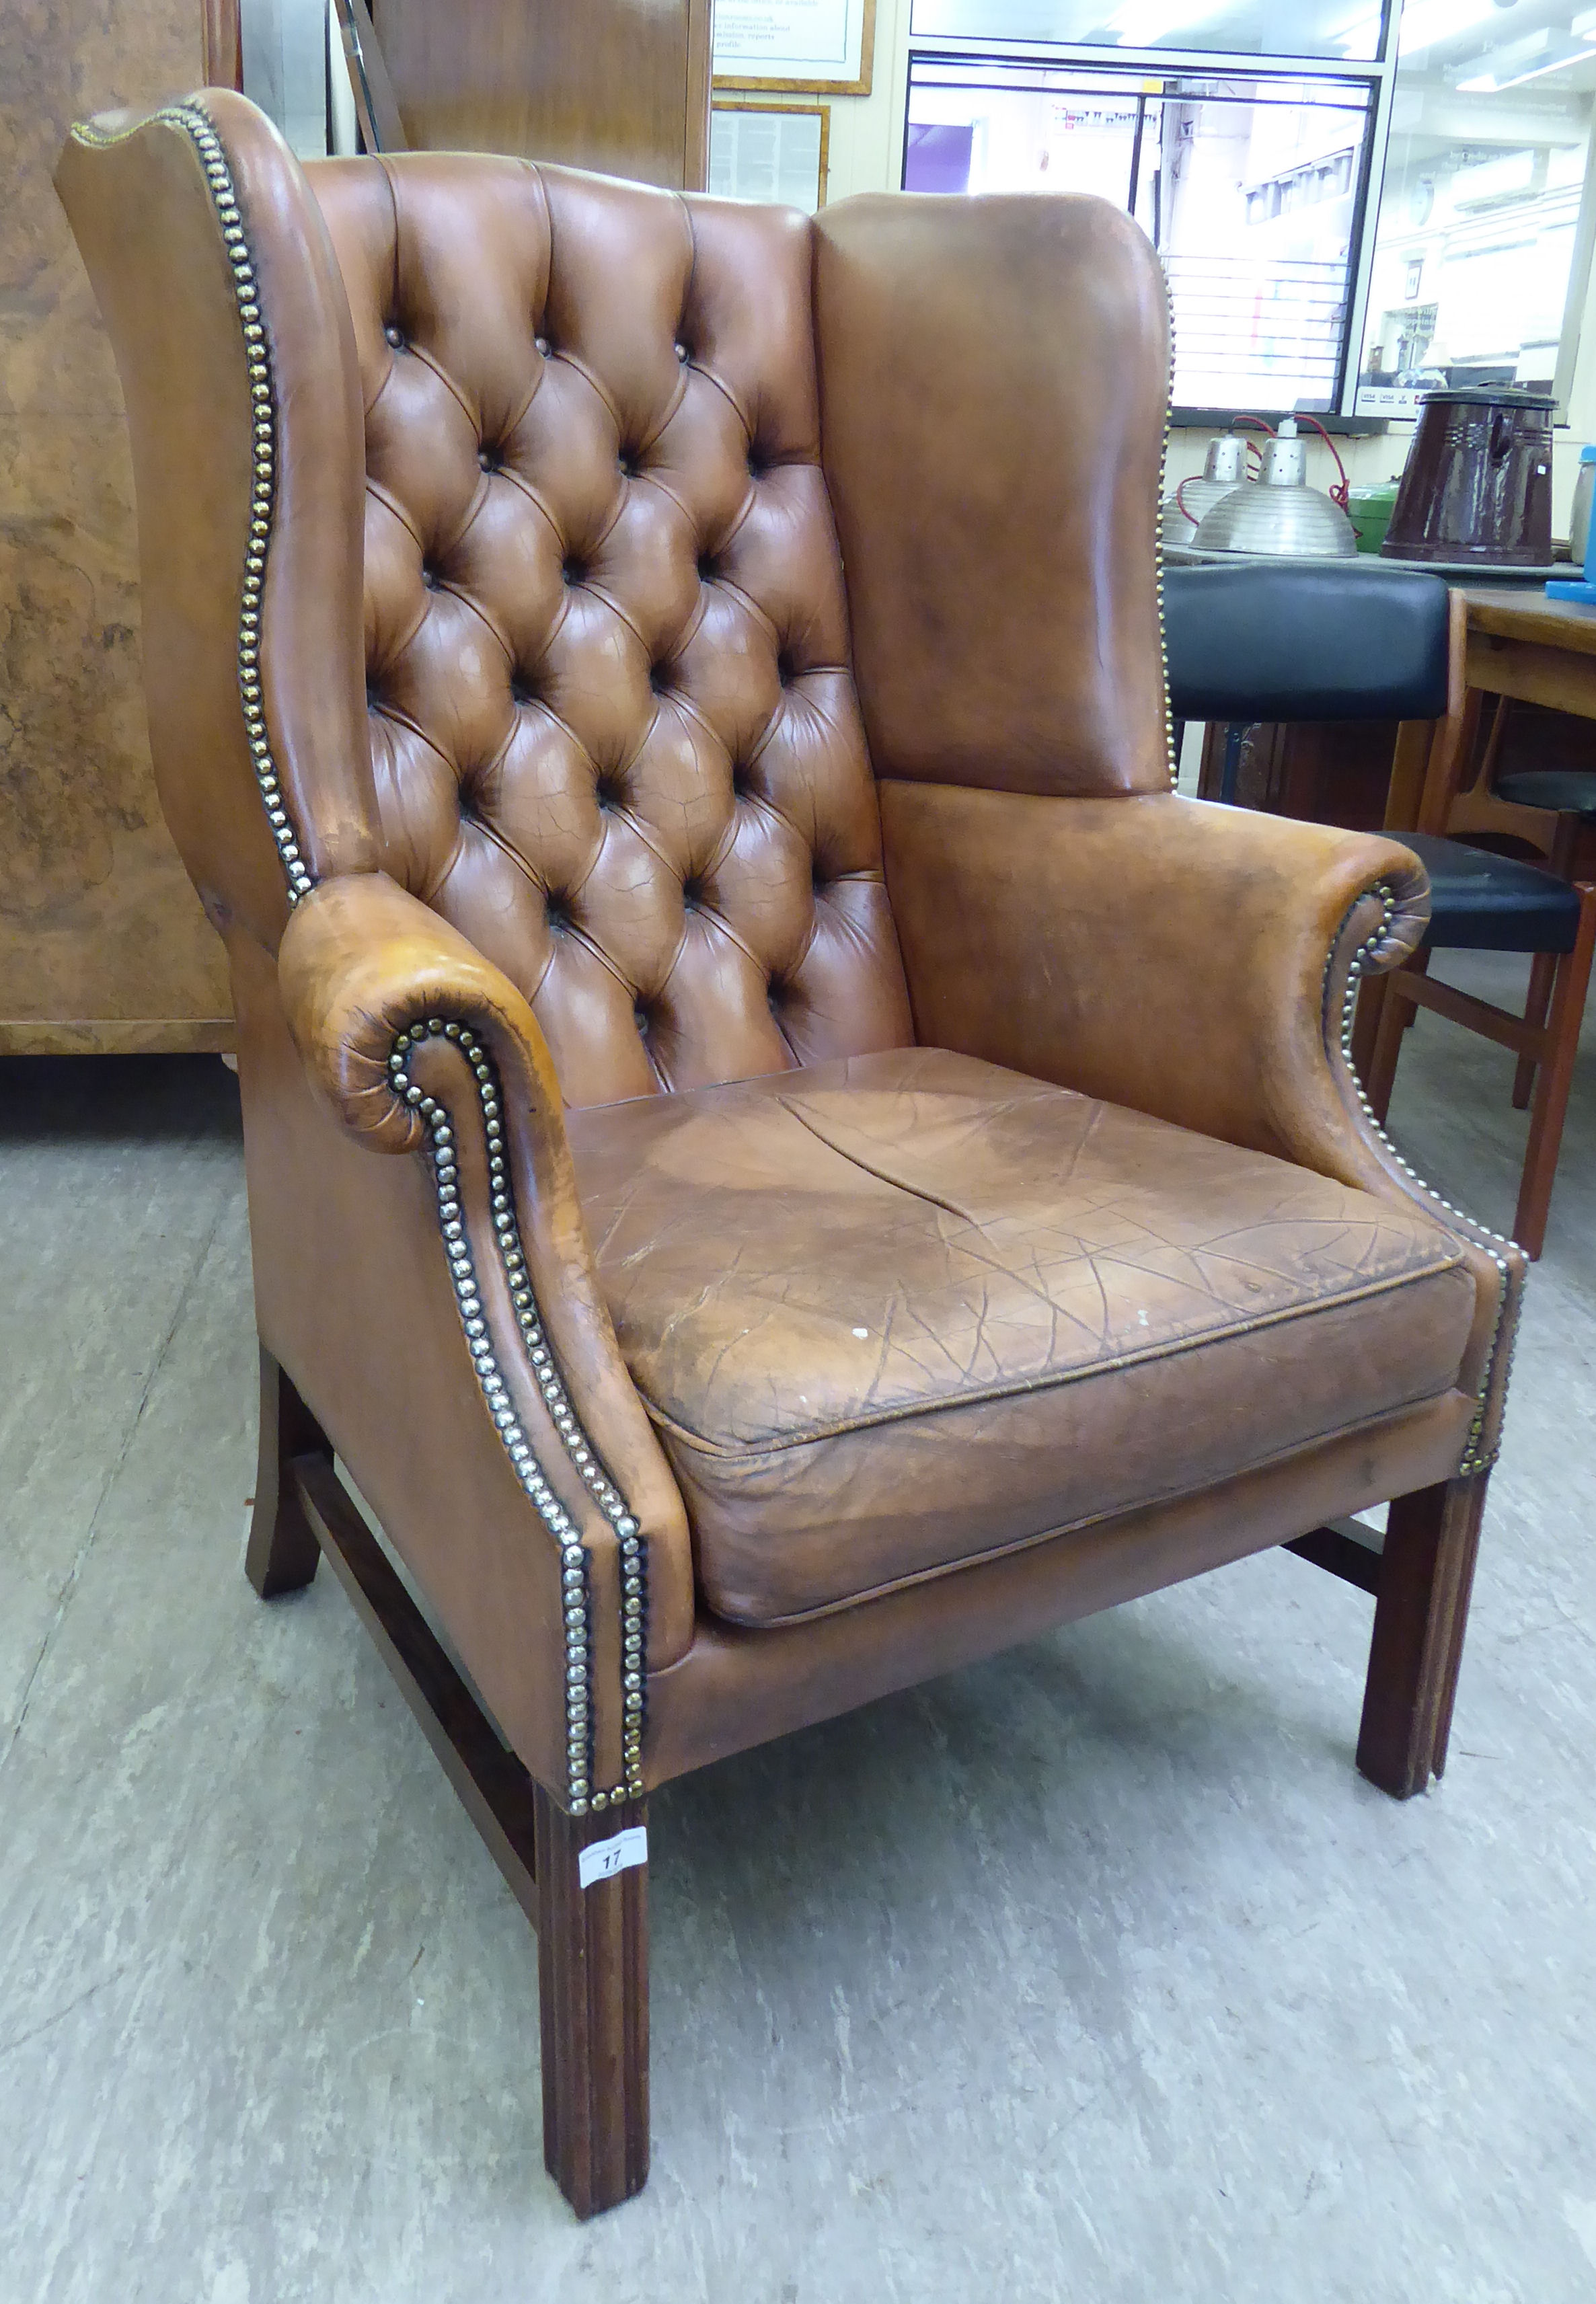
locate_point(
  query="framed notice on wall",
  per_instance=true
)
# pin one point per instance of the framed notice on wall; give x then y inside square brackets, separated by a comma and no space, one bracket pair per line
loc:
[771,152]
[821,46]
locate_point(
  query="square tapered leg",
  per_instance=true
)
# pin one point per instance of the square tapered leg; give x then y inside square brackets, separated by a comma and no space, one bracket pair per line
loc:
[1426,1576]
[593,1991]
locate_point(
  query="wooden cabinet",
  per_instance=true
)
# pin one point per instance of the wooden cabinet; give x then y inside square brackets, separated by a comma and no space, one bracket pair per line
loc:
[1328,772]
[618,85]
[1339,772]
[103,943]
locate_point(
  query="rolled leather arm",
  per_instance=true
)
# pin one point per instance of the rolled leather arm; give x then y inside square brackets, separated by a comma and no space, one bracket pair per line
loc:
[1192,962]
[404,1029]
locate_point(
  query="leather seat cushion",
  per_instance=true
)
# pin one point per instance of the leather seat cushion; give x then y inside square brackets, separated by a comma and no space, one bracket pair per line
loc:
[896,1313]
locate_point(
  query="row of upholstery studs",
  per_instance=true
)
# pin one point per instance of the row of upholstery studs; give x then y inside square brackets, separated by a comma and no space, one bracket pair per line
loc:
[262,491]
[1472,1460]
[573,1555]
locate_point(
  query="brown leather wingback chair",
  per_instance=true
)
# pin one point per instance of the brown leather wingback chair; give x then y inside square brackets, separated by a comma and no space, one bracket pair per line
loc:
[782,1157]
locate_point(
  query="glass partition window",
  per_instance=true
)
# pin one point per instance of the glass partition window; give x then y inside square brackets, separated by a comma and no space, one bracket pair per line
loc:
[1475,244]
[1355,201]
[1336,29]
[1246,184]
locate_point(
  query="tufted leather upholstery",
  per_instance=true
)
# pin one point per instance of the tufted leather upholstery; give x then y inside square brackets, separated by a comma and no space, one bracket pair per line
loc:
[996,1256]
[592,755]
[614,732]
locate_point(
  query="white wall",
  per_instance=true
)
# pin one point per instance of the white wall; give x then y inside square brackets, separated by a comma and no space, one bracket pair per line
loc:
[867,132]
[285,50]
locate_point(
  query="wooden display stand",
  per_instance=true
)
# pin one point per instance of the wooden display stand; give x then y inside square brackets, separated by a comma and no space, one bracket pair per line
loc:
[1325,772]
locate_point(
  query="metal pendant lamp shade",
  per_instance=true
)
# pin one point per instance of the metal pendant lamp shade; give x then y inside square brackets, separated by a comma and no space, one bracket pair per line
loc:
[1223,468]
[1281,517]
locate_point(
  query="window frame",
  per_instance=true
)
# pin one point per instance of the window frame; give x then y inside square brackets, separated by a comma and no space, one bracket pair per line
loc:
[1379,75]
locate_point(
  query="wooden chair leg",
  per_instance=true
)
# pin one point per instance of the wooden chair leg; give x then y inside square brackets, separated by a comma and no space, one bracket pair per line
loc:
[283,1552]
[1543,974]
[1554,1078]
[1564,846]
[1395,1014]
[592,1942]
[1421,1613]
[593,1993]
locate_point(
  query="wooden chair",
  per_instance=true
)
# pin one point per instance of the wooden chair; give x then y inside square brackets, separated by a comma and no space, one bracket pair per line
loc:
[1543,810]
[1483,902]
[1300,643]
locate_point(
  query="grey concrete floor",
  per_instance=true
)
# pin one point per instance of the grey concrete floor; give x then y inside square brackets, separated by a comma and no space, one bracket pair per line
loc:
[1095,1972]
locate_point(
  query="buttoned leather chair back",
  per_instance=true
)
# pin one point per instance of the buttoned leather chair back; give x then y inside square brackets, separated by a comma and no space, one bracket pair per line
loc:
[615,735]
[560,442]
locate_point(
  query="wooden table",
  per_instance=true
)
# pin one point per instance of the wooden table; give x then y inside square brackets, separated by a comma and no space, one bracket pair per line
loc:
[1520,648]
[1543,651]
[1511,646]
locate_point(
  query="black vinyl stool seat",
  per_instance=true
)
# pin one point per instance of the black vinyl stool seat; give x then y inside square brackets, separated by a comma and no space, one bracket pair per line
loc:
[1564,792]
[1294,641]
[1304,642]
[1482,903]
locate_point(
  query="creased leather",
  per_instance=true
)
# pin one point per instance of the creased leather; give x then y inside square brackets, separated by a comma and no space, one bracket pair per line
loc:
[891,1313]
[1160,953]
[737,1686]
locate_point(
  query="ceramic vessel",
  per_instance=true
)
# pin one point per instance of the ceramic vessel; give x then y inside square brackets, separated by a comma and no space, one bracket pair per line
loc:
[1477,483]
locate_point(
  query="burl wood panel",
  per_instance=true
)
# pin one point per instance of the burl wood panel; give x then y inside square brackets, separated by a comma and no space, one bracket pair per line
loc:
[618,85]
[103,943]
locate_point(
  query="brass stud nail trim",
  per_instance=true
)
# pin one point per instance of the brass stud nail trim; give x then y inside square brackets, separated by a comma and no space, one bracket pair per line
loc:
[574,1580]
[1158,553]
[1475,1457]
[218,178]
